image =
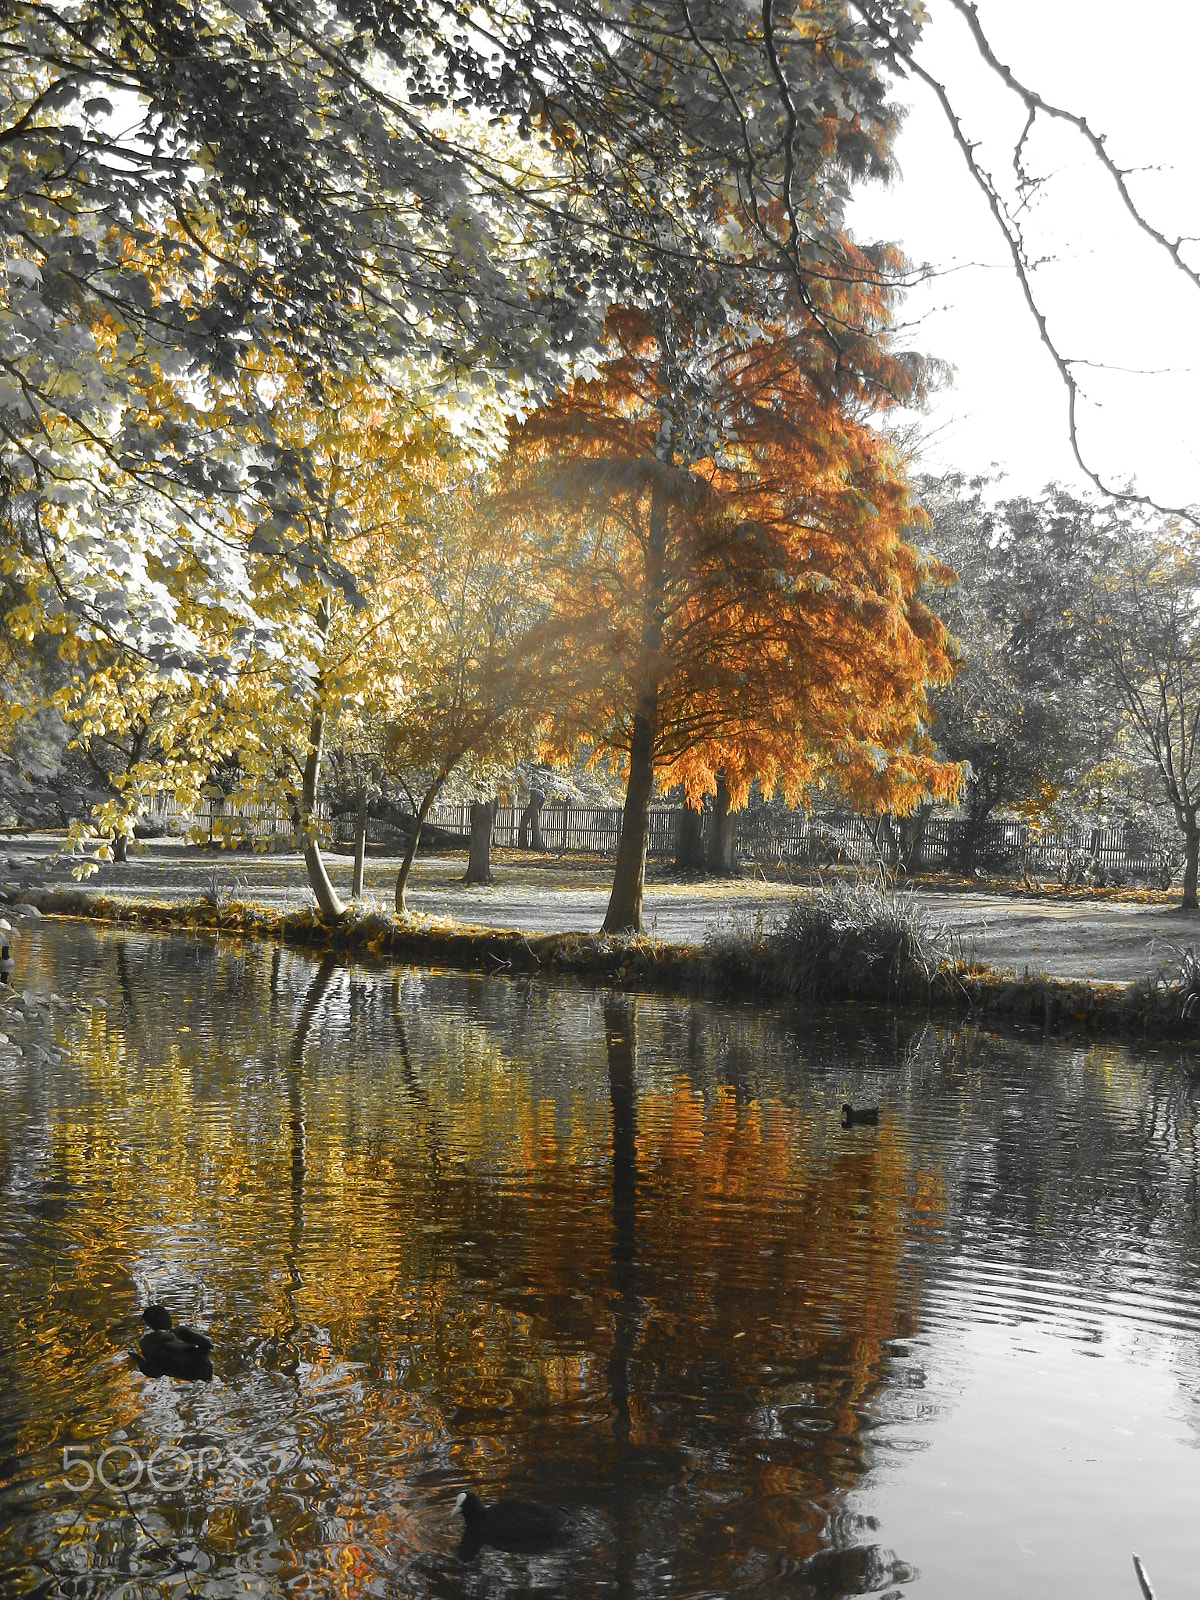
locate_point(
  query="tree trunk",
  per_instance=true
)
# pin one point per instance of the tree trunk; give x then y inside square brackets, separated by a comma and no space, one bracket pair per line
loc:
[910,831]
[884,840]
[689,847]
[624,914]
[137,749]
[410,854]
[971,838]
[722,842]
[1096,874]
[1191,838]
[479,865]
[328,901]
[530,836]
[360,842]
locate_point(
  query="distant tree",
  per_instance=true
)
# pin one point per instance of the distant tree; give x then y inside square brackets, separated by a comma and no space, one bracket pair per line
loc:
[1141,614]
[1022,712]
[474,692]
[354,781]
[117,749]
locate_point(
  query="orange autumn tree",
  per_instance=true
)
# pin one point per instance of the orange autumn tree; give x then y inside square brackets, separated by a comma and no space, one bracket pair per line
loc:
[743,600]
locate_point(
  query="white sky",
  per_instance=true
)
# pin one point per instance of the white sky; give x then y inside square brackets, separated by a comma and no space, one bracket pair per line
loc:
[1109,296]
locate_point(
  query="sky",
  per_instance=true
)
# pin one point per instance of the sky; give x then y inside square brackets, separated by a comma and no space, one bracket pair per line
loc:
[1110,297]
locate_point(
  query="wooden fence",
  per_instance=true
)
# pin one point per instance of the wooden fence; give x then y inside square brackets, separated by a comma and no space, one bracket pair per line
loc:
[769,837]
[765,835]
[217,817]
[568,827]
[1004,847]
[1014,847]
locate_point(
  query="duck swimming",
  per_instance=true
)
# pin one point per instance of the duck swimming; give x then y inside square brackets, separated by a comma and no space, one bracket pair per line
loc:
[170,1352]
[868,1116]
[507,1524]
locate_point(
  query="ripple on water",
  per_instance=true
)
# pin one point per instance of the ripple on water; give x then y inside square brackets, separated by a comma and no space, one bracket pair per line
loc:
[609,1251]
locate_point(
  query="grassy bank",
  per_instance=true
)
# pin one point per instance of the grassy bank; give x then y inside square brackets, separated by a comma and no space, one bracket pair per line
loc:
[845,944]
[866,942]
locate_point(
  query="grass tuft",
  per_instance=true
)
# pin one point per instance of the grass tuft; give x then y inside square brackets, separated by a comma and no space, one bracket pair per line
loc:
[845,941]
[222,895]
[1178,990]
[859,941]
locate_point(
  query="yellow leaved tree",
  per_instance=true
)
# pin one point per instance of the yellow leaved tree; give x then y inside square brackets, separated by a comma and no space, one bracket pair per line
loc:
[326,643]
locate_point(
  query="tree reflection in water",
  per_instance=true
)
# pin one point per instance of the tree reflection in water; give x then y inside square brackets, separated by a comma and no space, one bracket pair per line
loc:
[612,1252]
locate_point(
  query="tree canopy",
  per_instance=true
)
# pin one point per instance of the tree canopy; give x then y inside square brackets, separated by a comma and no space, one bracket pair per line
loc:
[440,200]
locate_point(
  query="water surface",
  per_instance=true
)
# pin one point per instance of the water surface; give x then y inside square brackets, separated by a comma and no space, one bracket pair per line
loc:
[613,1252]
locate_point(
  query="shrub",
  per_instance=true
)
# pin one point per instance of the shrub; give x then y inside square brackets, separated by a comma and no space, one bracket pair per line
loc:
[858,940]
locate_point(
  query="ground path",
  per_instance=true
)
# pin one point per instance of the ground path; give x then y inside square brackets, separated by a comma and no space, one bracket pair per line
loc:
[1102,940]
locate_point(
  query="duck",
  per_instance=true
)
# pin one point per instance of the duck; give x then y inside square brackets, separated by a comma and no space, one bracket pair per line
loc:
[861,1569]
[867,1116]
[172,1352]
[507,1524]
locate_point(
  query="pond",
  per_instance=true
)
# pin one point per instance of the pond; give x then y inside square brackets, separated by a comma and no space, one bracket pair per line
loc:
[614,1253]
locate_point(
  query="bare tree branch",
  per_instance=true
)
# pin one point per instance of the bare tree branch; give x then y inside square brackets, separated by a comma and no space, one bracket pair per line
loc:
[1010,227]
